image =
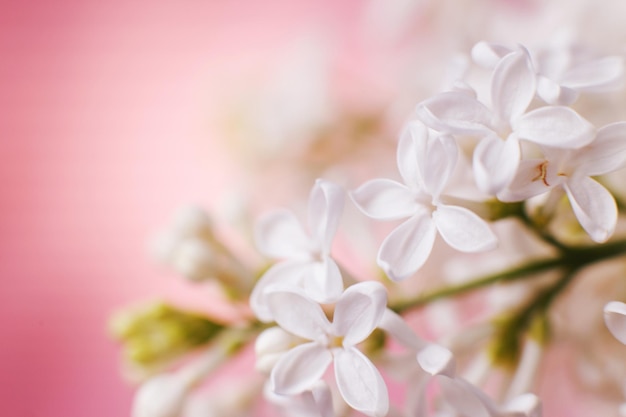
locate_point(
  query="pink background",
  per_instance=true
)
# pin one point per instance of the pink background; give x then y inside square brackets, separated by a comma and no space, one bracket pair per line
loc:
[103,134]
[105,110]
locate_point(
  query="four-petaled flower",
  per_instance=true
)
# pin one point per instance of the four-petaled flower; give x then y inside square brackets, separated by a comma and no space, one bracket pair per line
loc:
[425,163]
[357,313]
[307,262]
[572,169]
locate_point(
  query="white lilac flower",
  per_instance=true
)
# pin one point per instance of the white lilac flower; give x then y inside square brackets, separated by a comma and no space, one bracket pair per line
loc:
[462,397]
[306,261]
[357,313]
[593,205]
[497,155]
[425,163]
[564,69]
[185,244]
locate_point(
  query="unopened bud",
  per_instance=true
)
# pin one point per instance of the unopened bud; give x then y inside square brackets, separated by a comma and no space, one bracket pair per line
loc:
[161,396]
[193,221]
[158,332]
[270,345]
[194,259]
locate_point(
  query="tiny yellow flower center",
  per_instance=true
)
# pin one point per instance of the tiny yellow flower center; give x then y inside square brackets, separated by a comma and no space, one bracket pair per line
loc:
[335,342]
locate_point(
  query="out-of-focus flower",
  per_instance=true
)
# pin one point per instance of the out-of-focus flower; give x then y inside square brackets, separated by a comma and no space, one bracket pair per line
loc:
[462,397]
[165,395]
[232,398]
[191,246]
[157,333]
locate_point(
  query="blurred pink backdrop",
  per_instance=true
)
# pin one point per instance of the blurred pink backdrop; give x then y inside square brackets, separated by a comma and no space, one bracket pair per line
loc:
[103,133]
[105,130]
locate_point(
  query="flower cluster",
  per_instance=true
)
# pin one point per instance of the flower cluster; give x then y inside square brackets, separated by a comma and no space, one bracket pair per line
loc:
[492,160]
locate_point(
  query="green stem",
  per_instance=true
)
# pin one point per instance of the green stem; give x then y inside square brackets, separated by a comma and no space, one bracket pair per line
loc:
[509,275]
[571,258]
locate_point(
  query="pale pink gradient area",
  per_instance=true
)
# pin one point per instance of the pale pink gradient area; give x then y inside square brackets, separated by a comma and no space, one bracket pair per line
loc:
[104,132]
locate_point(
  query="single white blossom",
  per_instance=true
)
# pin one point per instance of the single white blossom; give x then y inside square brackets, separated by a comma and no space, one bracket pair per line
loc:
[572,169]
[425,163]
[357,313]
[306,260]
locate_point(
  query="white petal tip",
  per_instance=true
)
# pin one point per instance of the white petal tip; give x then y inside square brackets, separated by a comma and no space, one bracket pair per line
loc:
[436,360]
[615,319]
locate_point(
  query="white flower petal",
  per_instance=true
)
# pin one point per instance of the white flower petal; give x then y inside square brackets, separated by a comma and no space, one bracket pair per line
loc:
[287,274]
[300,368]
[383,199]
[463,230]
[495,162]
[615,319]
[394,325]
[512,85]
[360,384]
[436,360]
[407,247]
[280,235]
[553,93]
[297,314]
[595,76]
[358,311]
[455,112]
[607,153]
[322,281]
[488,54]
[436,162]
[325,207]
[414,135]
[594,207]
[525,405]
[466,398]
[417,402]
[323,399]
[556,126]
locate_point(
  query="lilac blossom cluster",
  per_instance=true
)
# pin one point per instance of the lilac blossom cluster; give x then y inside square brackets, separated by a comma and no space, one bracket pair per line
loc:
[513,145]
[524,140]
